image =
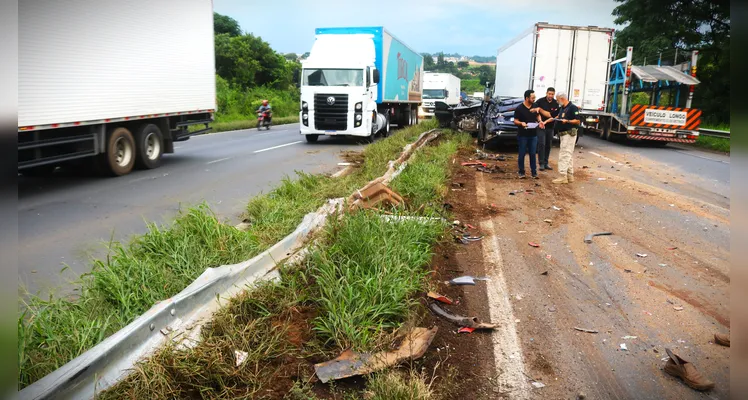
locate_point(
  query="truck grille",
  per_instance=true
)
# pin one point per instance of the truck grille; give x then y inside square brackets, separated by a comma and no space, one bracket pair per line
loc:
[331,117]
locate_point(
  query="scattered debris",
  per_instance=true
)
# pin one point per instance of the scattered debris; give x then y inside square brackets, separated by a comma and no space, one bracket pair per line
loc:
[375,194]
[469,322]
[586,330]
[514,192]
[557,208]
[548,221]
[722,339]
[670,301]
[533,244]
[588,238]
[602,179]
[538,385]
[486,156]
[466,280]
[447,206]
[627,270]
[345,164]
[672,248]
[663,265]
[474,163]
[240,357]
[458,184]
[678,308]
[465,329]
[440,298]
[544,273]
[350,363]
[642,255]
[584,167]
[552,309]
[470,226]
[623,347]
[628,337]
[646,312]
[548,256]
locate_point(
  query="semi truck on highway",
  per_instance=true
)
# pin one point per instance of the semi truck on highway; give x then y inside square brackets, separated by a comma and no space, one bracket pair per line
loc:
[579,61]
[111,85]
[439,86]
[358,81]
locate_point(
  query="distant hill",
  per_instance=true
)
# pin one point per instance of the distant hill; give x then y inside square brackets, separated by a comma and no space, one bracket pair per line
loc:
[455,57]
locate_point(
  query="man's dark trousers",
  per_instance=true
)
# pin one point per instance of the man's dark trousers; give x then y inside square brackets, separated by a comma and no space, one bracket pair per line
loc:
[527,146]
[545,141]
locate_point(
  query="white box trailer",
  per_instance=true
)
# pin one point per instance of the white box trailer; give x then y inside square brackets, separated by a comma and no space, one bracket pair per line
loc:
[572,59]
[116,81]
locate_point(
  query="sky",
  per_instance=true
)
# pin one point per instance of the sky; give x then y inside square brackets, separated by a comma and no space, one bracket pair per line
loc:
[467,27]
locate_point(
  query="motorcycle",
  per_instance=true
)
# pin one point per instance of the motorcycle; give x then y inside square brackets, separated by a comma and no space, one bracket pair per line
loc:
[264,118]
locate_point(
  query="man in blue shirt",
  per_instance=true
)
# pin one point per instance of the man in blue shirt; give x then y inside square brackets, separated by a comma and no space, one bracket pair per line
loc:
[527,119]
[566,124]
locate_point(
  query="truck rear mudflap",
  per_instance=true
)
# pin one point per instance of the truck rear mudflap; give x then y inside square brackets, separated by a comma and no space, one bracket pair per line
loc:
[660,136]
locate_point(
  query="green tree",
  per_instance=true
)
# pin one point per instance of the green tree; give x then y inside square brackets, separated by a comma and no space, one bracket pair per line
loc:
[463,64]
[428,62]
[692,25]
[247,61]
[225,24]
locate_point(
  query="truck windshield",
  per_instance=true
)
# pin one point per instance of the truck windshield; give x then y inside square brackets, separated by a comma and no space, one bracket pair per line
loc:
[333,77]
[434,93]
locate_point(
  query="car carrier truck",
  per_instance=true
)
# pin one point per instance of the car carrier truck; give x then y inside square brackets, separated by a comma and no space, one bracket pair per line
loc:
[111,84]
[357,81]
[578,60]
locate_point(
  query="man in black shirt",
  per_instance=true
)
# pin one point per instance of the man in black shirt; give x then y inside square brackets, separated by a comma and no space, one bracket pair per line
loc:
[527,120]
[568,121]
[548,108]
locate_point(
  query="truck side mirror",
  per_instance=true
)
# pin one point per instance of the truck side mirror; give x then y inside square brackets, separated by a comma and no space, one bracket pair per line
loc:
[446,93]
[376,76]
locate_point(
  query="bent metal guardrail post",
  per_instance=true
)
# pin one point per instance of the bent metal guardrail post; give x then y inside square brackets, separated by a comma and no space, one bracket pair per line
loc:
[181,317]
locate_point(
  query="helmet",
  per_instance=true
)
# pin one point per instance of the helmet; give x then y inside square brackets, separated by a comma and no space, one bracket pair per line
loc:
[264,102]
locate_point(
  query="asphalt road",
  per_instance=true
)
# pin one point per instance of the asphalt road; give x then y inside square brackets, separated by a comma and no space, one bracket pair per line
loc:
[66,219]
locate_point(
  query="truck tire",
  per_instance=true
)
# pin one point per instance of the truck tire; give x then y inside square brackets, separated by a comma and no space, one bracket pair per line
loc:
[119,156]
[311,138]
[386,131]
[149,145]
[606,133]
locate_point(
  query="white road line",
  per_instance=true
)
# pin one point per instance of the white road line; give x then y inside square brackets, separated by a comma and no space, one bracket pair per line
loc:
[278,147]
[690,153]
[507,352]
[607,158]
[218,160]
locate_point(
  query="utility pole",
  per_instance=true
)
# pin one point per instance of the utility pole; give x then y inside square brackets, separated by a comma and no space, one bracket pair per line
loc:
[694,59]
[627,82]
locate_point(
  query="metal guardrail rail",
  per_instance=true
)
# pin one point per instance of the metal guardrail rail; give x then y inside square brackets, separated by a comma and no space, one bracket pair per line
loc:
[714,133]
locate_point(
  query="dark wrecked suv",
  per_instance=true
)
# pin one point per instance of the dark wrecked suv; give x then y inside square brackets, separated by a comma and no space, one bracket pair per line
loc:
[500,121]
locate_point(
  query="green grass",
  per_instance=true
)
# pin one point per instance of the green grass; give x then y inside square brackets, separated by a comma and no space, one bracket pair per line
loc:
[397,385]
[134,276]
[355,288]
[366,273]
[159,264]
[713,143]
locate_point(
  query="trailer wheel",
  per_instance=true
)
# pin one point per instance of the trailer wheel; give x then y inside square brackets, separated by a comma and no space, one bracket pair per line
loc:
[606,133]
[119,157]
[149,144]
[311,138]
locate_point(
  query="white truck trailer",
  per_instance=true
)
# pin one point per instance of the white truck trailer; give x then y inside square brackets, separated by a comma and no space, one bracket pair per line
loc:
[112,82]
[572,59]
[438,86]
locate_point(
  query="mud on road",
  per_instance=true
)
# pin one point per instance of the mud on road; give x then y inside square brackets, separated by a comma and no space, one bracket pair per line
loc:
[676,297]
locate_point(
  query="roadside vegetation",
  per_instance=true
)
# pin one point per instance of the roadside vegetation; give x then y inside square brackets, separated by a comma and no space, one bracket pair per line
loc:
[355,289]
[721,145]
[162,262]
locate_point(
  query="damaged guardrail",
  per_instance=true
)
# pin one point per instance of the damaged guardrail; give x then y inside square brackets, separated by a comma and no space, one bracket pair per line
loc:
[180,318]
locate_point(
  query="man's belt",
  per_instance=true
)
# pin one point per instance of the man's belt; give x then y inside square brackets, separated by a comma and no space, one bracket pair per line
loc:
[571,132]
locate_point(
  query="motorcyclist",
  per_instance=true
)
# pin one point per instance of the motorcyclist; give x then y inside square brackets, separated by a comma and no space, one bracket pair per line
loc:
[265,107]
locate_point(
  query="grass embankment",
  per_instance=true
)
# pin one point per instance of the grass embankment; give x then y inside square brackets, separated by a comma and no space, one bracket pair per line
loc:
[713,143]
[354,290]
[248,123]
[162,262]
